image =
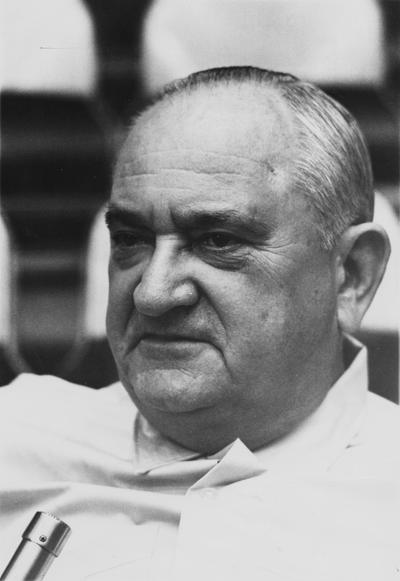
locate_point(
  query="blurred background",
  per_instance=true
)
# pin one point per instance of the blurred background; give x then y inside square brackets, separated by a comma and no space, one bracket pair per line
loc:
[73,73]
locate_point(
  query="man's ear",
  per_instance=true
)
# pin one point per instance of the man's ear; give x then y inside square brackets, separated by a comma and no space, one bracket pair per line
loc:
[363,252]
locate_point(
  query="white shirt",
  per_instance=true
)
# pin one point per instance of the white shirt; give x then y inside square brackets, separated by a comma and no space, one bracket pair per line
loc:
[320,504]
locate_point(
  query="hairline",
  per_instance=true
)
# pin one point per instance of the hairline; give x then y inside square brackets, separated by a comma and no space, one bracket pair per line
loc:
[336,210]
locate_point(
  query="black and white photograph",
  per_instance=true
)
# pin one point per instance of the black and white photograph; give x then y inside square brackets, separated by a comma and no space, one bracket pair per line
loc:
[200,290]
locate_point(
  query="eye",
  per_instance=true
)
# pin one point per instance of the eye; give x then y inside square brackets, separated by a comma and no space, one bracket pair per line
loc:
[128,241]
[125,239]
[219,240]
[221,249]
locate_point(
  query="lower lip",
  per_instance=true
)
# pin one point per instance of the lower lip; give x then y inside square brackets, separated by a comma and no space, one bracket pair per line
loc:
[162,348]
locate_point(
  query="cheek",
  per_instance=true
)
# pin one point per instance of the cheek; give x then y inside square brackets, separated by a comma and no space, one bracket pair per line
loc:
[120,301]
[276,313]
[312,307]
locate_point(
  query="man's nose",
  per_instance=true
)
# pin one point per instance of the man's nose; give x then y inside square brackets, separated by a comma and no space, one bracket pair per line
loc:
[165,283]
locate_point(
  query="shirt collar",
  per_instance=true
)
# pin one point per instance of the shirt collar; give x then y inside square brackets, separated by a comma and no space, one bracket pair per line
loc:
[152,450]
[317,442]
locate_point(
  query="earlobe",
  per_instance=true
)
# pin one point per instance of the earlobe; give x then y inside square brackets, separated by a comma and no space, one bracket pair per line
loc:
[363,252]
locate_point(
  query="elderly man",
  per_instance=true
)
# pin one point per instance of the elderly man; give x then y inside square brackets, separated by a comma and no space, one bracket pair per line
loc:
[242,257]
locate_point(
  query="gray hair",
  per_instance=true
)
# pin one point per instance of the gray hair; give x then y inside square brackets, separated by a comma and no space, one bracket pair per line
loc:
[333,168]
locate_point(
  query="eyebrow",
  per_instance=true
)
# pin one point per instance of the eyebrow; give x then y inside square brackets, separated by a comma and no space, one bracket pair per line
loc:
[201,219]
[194,219]
[129,217]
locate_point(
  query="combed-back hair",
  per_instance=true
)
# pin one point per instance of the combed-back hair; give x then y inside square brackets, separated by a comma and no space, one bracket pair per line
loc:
[332,168]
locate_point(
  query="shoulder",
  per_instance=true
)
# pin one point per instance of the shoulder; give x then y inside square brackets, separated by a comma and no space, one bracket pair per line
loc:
[29,390]
[48,425]
[375,448]
[381,422]
[36,398]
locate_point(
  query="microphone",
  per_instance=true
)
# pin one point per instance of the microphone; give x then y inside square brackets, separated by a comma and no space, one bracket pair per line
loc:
[42,541]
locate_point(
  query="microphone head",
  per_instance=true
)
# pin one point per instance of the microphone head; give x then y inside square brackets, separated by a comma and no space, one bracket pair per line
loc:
[47,531]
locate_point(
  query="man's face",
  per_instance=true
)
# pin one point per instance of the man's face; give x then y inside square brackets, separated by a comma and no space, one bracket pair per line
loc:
[222,303]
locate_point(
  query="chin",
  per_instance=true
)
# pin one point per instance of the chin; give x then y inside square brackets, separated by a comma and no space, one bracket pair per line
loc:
[173,391]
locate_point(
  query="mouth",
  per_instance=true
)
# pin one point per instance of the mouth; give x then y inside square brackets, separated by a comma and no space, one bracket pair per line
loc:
[171,346]
[171,338]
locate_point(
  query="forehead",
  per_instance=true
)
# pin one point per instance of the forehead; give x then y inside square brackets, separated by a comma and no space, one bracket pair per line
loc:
[226,146]
[249,122]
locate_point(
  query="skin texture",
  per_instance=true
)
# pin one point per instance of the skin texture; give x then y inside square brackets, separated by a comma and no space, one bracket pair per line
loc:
[223,307]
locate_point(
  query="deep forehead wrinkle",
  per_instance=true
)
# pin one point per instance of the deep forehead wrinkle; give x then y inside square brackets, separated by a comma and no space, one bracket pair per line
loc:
[203,162]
